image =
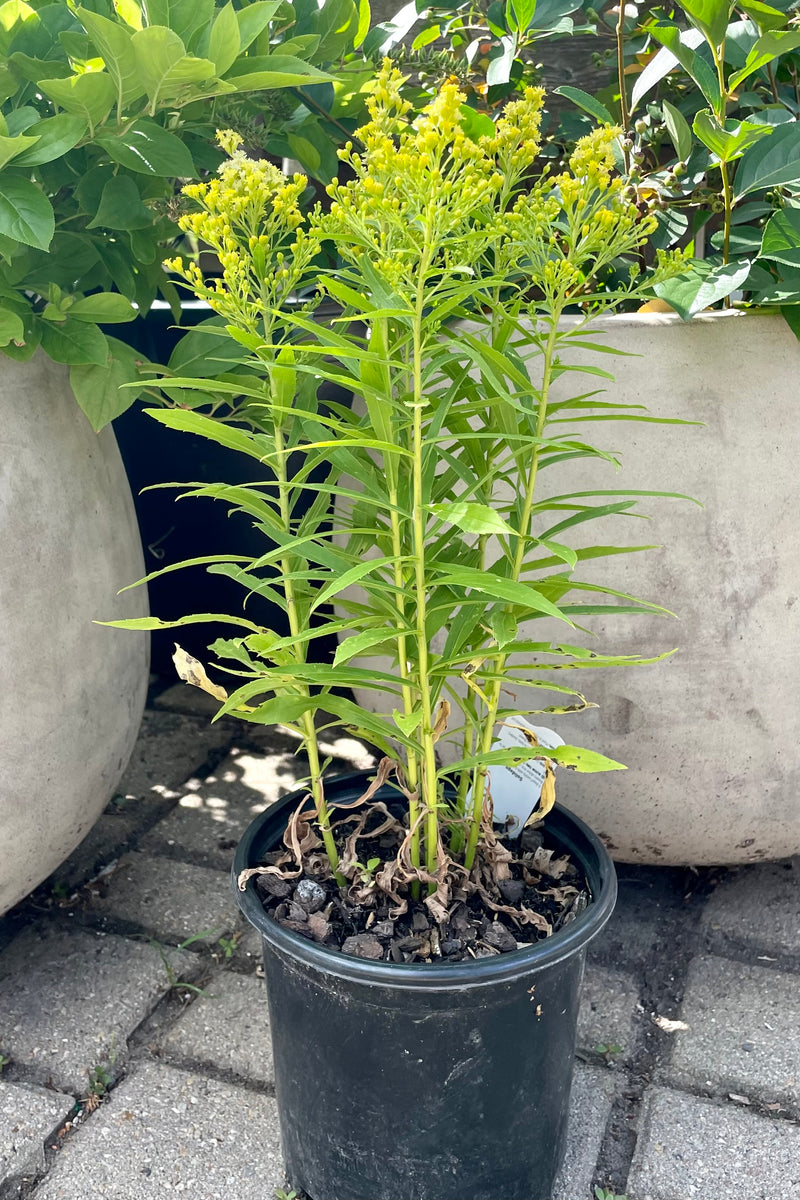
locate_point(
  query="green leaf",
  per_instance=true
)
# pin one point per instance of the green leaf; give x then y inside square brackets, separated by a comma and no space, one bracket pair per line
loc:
[203,353]
[575,757]
[306,154]
[215,431]
[254,19]
[588,103]
[74,343]
[121,206]
[115,43]
[347,579]
[278,710]
[523,11]
[364,19]
[701,287]
[768,47]
[711,17]
[273,71]
[504,627]
[89,96]
[487,584]
[764,15]
[148,149]
[11,327]
[164,66]
[771,163]
[730,141]
[224,43]
[472,518]
[678,129]
[98,388]
[781,240]
[11,147]
[678,45]
[55,136]
[144,623]
[26,215]
[103,308]
[359,643]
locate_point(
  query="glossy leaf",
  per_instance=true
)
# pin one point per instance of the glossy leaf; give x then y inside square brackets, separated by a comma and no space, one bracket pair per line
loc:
[121,206]
[710,17]
[26,215]
[148,149]
[678,129]
[766,50]
[98,387]
[588,103]
[89,96]
[702,286]
[102,308]
[728,141]
[773,162]
[678,48]
[114,43]
[54,137]
[74,343]
[163,65]
[781,240]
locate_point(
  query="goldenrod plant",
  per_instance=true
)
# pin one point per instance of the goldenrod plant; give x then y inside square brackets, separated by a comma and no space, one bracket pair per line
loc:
[458,257]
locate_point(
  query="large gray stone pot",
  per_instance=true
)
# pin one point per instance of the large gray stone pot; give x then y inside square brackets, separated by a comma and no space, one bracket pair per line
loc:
[72,693]
[711,737]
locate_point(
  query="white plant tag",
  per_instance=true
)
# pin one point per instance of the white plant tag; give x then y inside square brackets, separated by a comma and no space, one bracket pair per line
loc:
[516,790]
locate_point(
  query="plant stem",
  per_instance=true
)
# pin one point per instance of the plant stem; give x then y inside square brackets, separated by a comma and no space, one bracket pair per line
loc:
[428,780]
[307,720]
[487,736]
[624,115]
[718,53]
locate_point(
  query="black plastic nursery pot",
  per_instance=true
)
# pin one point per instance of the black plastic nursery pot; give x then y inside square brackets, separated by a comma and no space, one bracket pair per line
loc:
[424,1082]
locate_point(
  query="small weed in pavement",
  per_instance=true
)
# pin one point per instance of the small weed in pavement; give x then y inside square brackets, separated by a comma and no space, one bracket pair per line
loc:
[606,1194]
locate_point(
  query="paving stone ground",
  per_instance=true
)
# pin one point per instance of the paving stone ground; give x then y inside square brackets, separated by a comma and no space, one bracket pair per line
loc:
[171,1132]
[743,1034]
[696,980]
[28,1117]
[690,1148]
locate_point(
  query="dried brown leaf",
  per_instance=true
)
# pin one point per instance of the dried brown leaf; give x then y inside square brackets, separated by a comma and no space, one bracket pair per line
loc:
[192,671]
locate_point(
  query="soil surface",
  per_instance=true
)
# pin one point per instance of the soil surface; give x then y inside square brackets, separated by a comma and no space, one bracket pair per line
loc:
[521,891]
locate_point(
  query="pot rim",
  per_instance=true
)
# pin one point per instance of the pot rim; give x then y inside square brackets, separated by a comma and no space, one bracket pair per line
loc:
[570,831]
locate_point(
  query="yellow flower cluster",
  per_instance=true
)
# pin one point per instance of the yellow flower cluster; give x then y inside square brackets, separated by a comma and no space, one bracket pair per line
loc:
[250,216]
[516,141]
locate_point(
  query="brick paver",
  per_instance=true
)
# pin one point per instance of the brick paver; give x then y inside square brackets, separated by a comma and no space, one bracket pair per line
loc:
[29,1116]
[172,901]
[608,1013]
[170,1132]
[758,907]
[70,999]
[210,819]
[226,1028]
[690,1149]
[743,1033]
[590,1104]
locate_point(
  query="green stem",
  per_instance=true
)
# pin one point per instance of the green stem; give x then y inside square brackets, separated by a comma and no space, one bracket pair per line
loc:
[487,735]
[624,115]
[718,53]
[428,778]
[307,720]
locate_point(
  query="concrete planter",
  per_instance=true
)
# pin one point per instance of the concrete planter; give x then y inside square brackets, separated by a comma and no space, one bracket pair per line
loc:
[711,737]
[73,692]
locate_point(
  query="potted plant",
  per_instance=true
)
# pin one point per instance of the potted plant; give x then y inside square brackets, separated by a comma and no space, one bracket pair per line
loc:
[425,927]
[708,100]
[104,112]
